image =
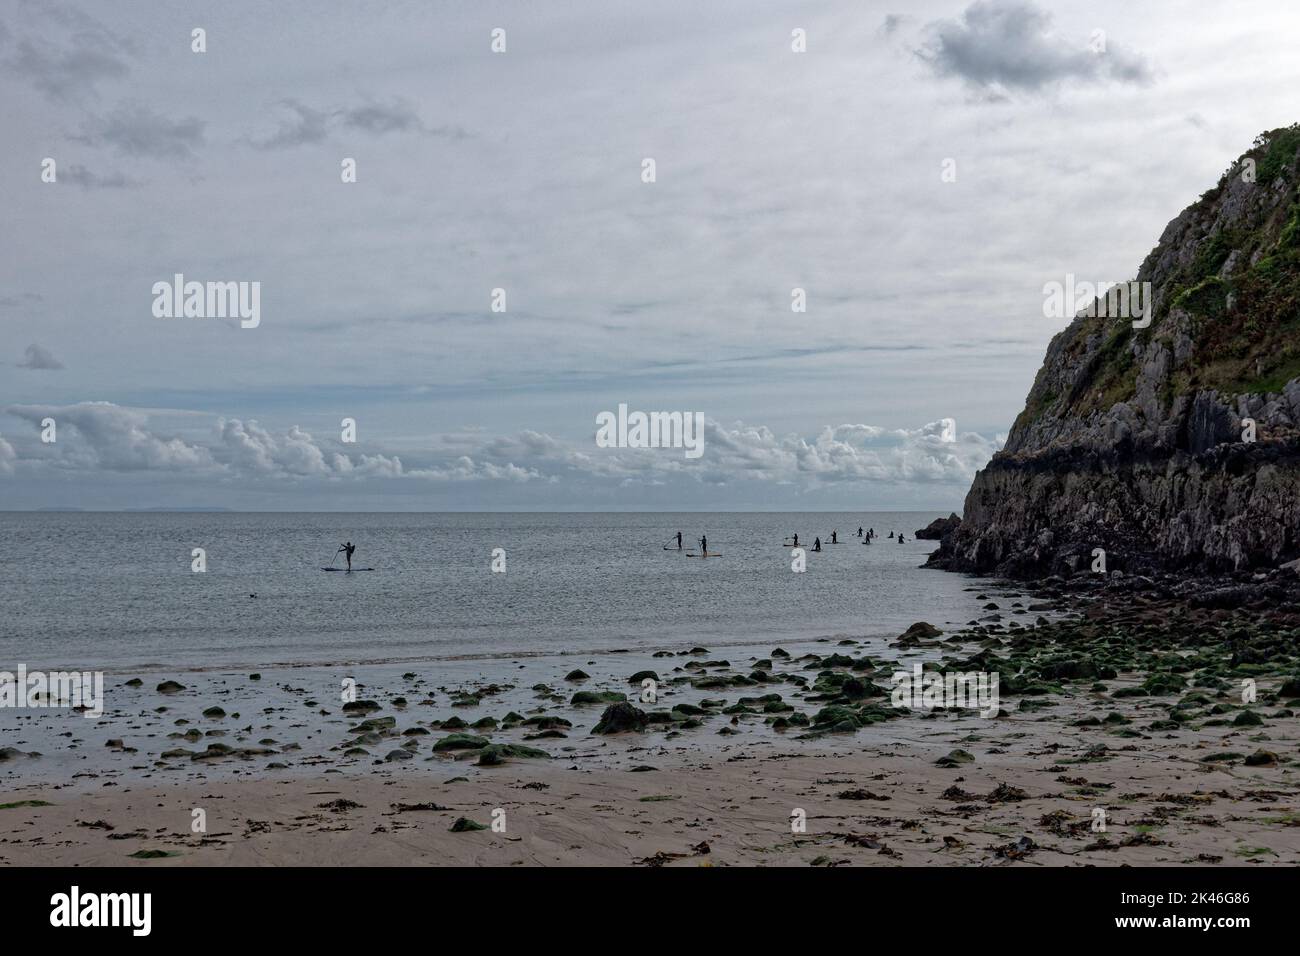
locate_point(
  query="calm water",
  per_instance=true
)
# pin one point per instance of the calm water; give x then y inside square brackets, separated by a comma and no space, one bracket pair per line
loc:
[108,590]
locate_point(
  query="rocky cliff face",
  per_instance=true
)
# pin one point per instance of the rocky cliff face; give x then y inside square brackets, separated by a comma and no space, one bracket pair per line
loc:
[1136,440]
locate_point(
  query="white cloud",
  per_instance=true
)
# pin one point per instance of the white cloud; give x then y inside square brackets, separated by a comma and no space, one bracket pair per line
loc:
[102,436]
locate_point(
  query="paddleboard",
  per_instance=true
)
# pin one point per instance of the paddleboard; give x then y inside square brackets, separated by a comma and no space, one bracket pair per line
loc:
[345,570]
[707,554]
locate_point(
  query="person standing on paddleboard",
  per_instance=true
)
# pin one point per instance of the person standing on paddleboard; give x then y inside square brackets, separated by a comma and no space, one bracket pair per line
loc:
[679,541]
[704,545]
[347,550]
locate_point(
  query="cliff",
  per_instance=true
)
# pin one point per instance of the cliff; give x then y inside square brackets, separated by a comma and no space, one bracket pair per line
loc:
[1135,440]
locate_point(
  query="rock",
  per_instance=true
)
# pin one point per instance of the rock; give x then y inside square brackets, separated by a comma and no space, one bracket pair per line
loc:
[1133,440]
[577,675]
[169,687]
[214,712]
[495,754]
[955,758]
[938,528]
[464,825]
[620,717]
[920,630]
[360,707]
[460,742]
[596,697]
[1262,758]
[640,676]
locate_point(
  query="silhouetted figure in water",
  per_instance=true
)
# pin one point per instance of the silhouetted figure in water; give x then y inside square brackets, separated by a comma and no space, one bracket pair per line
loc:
[347,549]
[871,532]
[859,531]
[817,544]
[679,541]
[891,534]
[704,544]
[900,537]
[834,538]
[796,539]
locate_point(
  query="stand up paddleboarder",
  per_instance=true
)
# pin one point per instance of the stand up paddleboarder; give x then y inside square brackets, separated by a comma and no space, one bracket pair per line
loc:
[347,548]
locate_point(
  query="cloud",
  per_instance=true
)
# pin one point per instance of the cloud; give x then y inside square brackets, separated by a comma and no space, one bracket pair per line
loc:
[119,439]
[380,118]
[21,300]
[39,357]
[893,23]
[305,126]
[7,457]
[110,437]
[68,67]
[1001,46]
[136,130]
[83,177]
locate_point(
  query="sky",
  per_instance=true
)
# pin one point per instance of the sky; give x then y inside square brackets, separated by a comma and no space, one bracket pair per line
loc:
[919,170]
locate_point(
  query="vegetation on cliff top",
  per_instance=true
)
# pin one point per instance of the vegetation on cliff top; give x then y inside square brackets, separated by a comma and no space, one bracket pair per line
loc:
[1244,323]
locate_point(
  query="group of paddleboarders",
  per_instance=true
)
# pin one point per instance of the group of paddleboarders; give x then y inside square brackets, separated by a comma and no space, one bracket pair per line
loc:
[704,543]
[793,542]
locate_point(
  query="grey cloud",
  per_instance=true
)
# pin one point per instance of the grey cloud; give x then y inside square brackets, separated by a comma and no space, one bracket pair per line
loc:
[378,118]
[893,22]
[999,46]
[81,176]
[7,457]
[136,130]
[305,126]
[64,74]
[39,357]
[69,65]
[308,125]
[20,300]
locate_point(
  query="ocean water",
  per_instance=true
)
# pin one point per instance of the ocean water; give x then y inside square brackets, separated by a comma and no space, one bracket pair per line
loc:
[116,590]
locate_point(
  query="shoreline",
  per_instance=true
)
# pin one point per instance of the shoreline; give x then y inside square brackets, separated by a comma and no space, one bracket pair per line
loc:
[1126,706]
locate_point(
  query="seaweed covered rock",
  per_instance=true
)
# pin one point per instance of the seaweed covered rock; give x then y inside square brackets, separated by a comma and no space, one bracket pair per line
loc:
[620,717]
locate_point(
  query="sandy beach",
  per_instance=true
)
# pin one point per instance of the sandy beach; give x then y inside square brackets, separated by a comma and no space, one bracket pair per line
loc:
[793,758]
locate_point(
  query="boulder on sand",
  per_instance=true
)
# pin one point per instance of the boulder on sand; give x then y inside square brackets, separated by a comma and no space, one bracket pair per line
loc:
[620,717]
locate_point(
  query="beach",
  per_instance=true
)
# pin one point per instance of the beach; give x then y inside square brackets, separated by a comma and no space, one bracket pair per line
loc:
[1120,737]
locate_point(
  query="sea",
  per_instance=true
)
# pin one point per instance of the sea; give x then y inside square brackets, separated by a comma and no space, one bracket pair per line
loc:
[118,590]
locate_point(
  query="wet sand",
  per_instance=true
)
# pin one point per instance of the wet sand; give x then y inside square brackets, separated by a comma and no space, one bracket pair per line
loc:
[778,759]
